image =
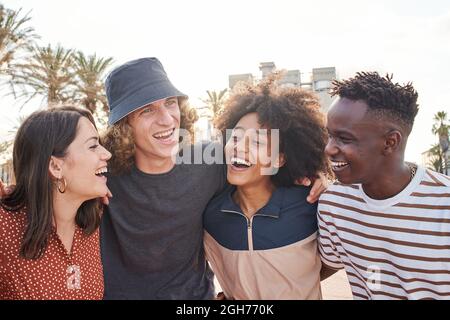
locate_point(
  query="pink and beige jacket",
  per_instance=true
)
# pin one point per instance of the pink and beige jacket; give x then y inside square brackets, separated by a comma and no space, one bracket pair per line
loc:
[271,256]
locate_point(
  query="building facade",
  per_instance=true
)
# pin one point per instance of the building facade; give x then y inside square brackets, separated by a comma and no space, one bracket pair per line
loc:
[319,80]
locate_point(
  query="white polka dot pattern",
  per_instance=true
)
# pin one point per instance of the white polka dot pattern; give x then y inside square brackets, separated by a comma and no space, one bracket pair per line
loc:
[57,275]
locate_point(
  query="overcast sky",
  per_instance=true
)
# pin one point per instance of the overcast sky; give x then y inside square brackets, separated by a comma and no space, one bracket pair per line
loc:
[201,42]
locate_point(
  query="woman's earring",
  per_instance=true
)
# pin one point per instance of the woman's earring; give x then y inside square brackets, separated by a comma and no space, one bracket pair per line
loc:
[62,182]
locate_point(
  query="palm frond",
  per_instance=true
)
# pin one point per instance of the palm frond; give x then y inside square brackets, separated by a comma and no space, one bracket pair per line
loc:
[91,71]
[15,37]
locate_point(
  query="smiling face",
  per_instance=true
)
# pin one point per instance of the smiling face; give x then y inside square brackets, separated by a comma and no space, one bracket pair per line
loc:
[356,142]
[248,152]
[155,129]
[85,163]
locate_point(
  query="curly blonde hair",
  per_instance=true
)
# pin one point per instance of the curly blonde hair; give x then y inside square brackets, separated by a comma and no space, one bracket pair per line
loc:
[119,139]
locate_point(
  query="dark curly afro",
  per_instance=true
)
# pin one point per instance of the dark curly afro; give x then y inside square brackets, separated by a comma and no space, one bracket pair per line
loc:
[382,96]
[296,113]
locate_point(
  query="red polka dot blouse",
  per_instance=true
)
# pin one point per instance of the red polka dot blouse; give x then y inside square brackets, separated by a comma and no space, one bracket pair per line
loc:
[57,274]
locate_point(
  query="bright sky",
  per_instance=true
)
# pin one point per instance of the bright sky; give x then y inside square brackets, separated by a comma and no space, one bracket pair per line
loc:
[201,42]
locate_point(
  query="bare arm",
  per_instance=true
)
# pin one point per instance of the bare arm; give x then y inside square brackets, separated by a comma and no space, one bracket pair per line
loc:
[4,190]
[319,186]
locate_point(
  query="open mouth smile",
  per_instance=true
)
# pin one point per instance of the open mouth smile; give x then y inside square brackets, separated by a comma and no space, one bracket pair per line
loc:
[101,173]
[239,164]
[165,136]
[338,165]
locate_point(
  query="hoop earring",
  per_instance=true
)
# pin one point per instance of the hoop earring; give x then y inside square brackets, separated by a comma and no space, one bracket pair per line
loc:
[58,183]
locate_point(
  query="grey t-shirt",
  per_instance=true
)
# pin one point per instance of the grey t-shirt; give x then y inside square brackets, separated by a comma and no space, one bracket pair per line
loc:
[152,233]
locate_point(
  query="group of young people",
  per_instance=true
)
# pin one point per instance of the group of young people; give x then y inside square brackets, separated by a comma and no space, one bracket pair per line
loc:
[250,218]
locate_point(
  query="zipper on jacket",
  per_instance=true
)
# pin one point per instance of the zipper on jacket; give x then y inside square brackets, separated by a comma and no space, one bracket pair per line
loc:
[249,228]
[250,234]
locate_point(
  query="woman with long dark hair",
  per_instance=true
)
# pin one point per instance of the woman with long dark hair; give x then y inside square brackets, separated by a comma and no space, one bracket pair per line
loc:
[49,246]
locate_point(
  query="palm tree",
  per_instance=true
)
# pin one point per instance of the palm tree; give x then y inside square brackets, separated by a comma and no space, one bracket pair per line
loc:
[17,123]
[215,101]
[12,133]
[3,146]
[15,37]
[441,129]
[48,72]
[436,159]
[90,73]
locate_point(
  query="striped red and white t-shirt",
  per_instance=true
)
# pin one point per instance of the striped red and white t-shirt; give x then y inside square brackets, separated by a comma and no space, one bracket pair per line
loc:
[398,248]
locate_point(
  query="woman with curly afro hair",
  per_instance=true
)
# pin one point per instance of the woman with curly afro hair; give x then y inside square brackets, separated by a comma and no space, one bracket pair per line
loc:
[261,233]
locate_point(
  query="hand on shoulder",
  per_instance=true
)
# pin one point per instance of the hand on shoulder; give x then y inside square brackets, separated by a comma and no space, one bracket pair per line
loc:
[5,190]
[319,185]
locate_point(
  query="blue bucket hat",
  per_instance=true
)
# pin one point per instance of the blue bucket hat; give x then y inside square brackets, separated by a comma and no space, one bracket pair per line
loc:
[136,84]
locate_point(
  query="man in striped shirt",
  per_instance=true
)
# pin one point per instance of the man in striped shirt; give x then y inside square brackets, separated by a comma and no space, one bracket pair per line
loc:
[386,221]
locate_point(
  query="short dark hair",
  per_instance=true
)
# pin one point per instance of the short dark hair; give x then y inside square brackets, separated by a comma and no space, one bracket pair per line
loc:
[382,96]
[296,113]
[42,135]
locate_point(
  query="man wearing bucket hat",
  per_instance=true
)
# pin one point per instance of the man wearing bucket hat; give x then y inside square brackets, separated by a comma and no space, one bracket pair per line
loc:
[152,232]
